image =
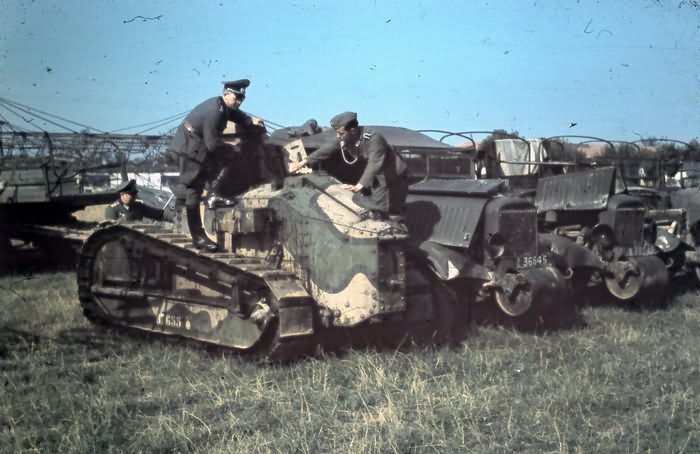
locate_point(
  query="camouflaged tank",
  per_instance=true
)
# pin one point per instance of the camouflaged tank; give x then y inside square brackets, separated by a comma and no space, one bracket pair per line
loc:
[294,265]
[38,196]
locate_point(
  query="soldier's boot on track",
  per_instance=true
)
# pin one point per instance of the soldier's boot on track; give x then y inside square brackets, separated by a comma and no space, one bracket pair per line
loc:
[199,237]
[215,200]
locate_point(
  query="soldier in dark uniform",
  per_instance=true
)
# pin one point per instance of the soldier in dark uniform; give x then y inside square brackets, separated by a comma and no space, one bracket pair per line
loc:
[202,153]
[128,208]
[384,177]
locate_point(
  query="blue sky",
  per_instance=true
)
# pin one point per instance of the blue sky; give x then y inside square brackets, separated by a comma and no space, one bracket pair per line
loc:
[619,69]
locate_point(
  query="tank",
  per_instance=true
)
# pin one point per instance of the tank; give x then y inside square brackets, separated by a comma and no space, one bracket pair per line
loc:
[304,265]
[37,200]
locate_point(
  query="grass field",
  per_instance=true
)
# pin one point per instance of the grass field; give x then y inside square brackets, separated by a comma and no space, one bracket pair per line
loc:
[628,381]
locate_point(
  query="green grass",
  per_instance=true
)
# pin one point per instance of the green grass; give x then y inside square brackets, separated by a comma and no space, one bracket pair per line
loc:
[627,382]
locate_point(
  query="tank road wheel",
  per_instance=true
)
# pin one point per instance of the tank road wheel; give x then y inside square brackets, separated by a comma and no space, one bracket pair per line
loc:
[639,277]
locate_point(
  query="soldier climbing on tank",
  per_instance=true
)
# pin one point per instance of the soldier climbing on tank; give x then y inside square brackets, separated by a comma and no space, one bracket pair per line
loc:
[202,153]
[128,208]
[384,177]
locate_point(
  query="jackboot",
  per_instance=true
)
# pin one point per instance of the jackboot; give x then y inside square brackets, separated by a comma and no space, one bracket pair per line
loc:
[215,200]
[199,237]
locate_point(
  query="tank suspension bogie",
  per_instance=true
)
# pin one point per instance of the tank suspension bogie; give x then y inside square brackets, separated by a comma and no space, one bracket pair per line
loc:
[132,278]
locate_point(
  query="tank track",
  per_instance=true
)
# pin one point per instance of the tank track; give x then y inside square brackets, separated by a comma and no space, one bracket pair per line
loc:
[289,320]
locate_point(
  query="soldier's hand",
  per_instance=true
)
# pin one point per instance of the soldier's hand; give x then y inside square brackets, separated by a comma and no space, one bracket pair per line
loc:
[258,121]
[353,187]
[294,167]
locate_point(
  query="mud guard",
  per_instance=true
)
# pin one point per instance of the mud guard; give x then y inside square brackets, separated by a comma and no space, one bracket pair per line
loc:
[567,254]
[449,264]
[666,241]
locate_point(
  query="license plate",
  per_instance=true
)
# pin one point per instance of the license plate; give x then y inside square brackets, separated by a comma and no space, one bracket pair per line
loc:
[531,261]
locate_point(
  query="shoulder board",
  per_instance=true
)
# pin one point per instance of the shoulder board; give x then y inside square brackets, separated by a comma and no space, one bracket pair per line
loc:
[367,135]
[114,204]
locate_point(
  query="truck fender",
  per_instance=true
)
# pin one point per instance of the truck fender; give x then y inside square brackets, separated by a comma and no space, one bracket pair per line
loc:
[567,252]
[449,264]
[666,241]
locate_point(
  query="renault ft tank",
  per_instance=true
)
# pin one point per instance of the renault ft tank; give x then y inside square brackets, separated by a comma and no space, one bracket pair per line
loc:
[37,200]
[294,264]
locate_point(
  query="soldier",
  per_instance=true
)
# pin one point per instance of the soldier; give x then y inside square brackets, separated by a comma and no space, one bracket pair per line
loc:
[128,208]
[384,177]
[201,152]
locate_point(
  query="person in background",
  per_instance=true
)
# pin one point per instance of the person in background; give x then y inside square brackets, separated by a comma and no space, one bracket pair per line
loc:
[129,208]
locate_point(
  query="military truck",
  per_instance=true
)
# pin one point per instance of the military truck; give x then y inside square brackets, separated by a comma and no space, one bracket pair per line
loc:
[603,231]
[661,173]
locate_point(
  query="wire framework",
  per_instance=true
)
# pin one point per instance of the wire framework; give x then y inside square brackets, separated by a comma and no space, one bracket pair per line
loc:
[82,148]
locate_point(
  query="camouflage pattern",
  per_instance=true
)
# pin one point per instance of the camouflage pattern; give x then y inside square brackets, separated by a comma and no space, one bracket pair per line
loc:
[328,242]
[285,268]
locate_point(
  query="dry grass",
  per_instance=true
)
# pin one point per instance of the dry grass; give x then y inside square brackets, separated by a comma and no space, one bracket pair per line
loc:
[628,382]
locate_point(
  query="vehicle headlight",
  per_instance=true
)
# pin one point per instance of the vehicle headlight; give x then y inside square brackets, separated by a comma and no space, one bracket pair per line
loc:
[496,245]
